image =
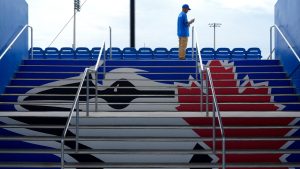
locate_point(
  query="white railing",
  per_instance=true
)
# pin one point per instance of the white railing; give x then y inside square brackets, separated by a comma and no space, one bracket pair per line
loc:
[76,101]
[215,107]
[285,39]
[16,38]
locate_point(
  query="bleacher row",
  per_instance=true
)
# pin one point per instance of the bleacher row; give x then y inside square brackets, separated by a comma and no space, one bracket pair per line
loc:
[145,53]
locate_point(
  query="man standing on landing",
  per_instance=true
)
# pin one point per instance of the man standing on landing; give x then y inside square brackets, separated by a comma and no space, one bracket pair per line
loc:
[183,30]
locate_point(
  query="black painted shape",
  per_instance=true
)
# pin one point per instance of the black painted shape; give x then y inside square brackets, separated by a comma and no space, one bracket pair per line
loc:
[130,93]
[58,132]
[200,158]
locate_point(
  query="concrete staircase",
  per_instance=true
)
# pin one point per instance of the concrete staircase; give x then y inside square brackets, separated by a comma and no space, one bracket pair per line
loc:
[149,115]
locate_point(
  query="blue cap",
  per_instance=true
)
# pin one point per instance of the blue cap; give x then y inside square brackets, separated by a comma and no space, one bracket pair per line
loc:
[186,6]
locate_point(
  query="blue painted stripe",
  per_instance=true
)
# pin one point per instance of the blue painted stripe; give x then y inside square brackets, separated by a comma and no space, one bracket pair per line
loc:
[30,82]
[263,76]
[29,158]
[283,91]
[60,62]
[286,99]
[108,69]
[259,69]
[45,75]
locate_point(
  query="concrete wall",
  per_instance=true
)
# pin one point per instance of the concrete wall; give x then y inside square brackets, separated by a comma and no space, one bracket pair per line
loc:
[288,19]
[13,16]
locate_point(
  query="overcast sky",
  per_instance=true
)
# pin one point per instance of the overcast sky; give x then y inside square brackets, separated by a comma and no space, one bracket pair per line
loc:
[245,23]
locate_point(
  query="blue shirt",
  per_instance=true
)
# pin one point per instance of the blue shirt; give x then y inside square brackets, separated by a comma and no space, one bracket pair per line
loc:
[182,25]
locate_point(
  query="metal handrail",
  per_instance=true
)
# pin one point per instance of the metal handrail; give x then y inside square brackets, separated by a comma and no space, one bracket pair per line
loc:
[198,58]
[215,102]
[16,38]
[215,108]
[285,39]
[76,102]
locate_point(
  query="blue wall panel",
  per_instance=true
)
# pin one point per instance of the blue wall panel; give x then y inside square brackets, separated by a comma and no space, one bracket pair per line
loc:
[13,16]
[288,20]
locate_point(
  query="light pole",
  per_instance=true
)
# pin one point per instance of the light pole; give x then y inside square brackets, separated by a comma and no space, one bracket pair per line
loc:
[215,25]
[76,9]
[132,23]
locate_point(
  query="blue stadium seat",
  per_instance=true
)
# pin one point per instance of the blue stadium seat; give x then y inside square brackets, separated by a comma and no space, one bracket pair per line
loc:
[207,53]
[254,54]
[129,53]
[145,53]
[189,53]
[83,53]
[174,53]
[161,53]
[238,54]
[95,52]
[223,54]
[116,53]
[38,53]
[67,53]
[51,53]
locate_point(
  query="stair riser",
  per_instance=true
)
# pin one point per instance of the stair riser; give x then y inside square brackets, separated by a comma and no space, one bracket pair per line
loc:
[188,99]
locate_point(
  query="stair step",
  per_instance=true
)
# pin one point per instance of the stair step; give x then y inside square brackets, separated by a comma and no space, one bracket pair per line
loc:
[145,165]
[187,98]
[142,151]
[144,139]
[145,127]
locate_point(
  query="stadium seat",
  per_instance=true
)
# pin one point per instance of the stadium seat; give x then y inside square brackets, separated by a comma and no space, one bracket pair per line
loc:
[189,53]
[161,53]
[145,53]
[116,53]
[173,54]
[223,54]
[238,54]
[254,54]
[38,53]
[51,53]
[95,52]
[207,53]
[83,53]
[129,53]
[67,53]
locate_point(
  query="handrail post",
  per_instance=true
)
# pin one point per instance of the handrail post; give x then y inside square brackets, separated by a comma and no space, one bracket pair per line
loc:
[88,93]
[96,90]
[271,42]
[223,153]
[77,125]
[62,158]
[193,30]
[104,62]
[214,128]
[207,93]
[110,42]
[31,52]
[197,70]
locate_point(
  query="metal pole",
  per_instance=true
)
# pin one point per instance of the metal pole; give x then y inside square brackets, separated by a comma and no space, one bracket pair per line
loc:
[88,93]
[223,154]
[74,30]
[207,92]
[132,23]
[214,37]
[214,129]
[110,42]
[193,29]
[104,62]
[202,90]
[31,42]
[271,42]
[62,161]
[77,124]
[96,90]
